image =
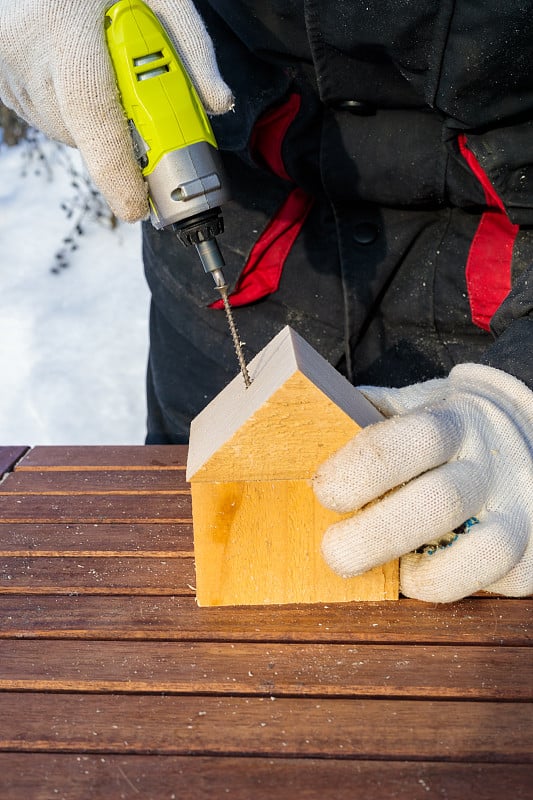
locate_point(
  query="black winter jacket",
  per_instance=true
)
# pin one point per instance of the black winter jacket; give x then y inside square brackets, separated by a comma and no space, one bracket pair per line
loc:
[407,127]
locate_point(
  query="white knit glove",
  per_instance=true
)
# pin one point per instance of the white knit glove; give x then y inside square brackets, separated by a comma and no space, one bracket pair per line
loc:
[453,449]
[56,73]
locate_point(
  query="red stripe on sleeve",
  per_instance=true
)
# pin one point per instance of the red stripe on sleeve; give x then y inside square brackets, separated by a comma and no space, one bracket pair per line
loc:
[488,268]
[269,132]
[261,274]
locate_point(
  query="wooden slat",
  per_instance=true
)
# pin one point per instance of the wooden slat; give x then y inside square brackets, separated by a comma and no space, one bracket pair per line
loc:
[261,669]
[95,508]
[9,457]
[113,683]
[474,621]
[183,725]
[42,776]
[39,776]
[49,540]
[108,576]
[91,481]
[156,457]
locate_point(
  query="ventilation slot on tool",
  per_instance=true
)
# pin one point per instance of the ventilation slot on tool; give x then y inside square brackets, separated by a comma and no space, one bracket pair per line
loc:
[147,61]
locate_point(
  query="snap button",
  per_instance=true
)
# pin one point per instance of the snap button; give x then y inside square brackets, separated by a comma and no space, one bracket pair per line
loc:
[365,232]
[355,107]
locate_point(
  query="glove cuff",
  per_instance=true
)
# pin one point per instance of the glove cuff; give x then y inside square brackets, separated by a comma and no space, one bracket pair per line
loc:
[503,389]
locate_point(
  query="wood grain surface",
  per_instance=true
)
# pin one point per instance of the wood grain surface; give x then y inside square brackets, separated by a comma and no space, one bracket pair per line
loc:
[41,776]
[258,526]
[114,684]
[9,456]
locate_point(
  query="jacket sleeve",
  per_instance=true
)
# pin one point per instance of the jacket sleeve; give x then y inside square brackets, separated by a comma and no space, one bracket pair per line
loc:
[506,156]
[512,325]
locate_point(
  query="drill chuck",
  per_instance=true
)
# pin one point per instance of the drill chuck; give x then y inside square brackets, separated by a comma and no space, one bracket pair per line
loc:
[201,231]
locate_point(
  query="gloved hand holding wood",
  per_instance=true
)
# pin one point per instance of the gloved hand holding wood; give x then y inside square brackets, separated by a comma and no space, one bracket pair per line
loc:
[55,72]
[454,449]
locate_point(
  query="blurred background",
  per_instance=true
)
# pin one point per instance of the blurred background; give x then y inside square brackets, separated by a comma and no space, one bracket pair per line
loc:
[73,302]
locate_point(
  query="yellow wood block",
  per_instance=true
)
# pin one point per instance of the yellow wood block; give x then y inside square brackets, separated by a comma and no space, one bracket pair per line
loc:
[252,454]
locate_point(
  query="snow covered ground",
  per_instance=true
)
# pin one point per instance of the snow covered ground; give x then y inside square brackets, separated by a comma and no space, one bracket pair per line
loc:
[73,344]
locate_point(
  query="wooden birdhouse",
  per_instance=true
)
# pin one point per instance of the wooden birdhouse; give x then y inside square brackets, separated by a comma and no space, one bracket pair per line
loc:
[252,454]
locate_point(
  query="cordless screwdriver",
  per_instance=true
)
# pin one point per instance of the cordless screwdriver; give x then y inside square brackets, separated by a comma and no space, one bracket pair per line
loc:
[172,139]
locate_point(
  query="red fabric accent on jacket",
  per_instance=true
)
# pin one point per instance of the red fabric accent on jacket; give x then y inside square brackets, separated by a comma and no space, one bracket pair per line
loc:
[488,268]
[262,272]
[269,132]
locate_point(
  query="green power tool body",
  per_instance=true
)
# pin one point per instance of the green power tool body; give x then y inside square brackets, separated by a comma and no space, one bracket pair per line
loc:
[172,138]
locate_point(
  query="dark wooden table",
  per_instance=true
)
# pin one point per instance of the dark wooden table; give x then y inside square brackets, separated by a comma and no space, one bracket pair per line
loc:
[114,684]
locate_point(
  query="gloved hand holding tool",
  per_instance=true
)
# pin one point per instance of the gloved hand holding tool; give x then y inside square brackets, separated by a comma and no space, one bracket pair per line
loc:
[114,80]
[454,451]
[56,73]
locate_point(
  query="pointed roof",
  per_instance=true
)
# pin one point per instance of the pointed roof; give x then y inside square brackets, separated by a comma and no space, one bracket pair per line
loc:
[297,411]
